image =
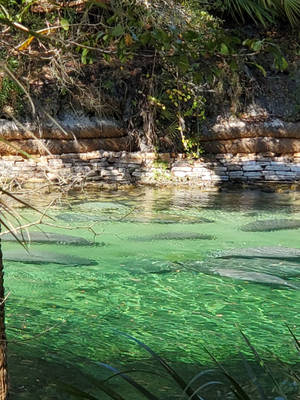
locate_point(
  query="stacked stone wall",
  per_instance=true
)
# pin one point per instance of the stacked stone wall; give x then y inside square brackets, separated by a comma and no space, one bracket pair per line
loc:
[151,168]
[69,151]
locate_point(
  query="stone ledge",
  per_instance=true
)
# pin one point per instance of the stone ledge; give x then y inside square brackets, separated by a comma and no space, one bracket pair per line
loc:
[63,147]
[124,167]
[238,129]
[68,128]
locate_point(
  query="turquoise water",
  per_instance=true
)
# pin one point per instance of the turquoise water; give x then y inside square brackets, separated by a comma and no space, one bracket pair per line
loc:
[63,318]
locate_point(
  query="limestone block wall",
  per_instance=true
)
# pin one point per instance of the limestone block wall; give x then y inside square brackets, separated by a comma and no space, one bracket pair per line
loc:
[151,168]
[237,136]
[91,149]
[70,135]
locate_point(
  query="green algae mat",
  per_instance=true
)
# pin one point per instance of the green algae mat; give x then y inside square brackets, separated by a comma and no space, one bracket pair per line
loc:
[150,272]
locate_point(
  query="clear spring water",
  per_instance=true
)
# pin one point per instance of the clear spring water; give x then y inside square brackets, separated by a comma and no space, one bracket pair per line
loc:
[62,319]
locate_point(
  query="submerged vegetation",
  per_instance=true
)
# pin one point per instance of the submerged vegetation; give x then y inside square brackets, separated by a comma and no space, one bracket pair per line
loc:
[163,67]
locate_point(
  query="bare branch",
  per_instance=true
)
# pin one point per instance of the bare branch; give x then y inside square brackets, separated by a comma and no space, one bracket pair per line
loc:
[14,78]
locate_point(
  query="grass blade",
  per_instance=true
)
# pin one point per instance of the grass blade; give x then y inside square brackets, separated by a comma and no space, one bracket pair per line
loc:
[180,381]
[196,377]
[262,364]
[2,222]
[204,386]
[76,392]
[23,202]
[131,381]
[17,149]
[253,378]
[237,389]
[83,395]
[297,342]
[128,372]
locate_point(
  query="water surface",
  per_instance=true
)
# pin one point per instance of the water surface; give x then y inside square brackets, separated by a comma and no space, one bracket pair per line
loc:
[144,281]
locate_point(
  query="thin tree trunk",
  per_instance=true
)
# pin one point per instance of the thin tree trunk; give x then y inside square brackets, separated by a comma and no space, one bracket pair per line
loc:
[3,359]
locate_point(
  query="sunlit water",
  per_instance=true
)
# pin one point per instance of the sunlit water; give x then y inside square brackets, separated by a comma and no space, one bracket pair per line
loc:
[63,319]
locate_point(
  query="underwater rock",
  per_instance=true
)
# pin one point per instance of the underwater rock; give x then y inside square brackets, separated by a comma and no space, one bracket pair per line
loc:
[269,225]
[255,277]
[175,236]
[47,237]
[278,253]
[44,257]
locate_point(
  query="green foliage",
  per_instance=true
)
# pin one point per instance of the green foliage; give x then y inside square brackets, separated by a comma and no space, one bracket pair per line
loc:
[264,12]
[267,46]
[10,93]
[192,146]
[165,55]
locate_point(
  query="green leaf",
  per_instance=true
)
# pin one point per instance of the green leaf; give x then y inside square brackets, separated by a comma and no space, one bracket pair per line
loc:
[261,68]
[224,49]
[111,19]
[190,35]
[118,30]
[183,63]
[83,55]
[280,63]
[161,36]
[99,4]
[257,45]
[99,35]
[65,24]
[284,64]
[247,42]
[145,38]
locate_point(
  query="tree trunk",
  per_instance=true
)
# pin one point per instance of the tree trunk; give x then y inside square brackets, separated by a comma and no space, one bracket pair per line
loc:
[3,359]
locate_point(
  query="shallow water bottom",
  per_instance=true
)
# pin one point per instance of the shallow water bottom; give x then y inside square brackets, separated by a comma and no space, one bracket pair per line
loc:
[64,319]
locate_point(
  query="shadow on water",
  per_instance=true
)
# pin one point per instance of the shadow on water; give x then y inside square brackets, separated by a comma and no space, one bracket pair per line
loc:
[43,378]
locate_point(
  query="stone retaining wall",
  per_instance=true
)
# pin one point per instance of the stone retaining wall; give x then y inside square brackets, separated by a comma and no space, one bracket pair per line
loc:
[151,168]
[68,150]
[236,136]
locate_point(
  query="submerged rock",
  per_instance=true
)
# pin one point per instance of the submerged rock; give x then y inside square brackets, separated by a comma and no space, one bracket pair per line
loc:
[175,236]
[44,257]
[255,277]
[269,225]
[47,237]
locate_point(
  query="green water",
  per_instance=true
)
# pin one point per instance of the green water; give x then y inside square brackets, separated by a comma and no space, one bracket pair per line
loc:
[62,319]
